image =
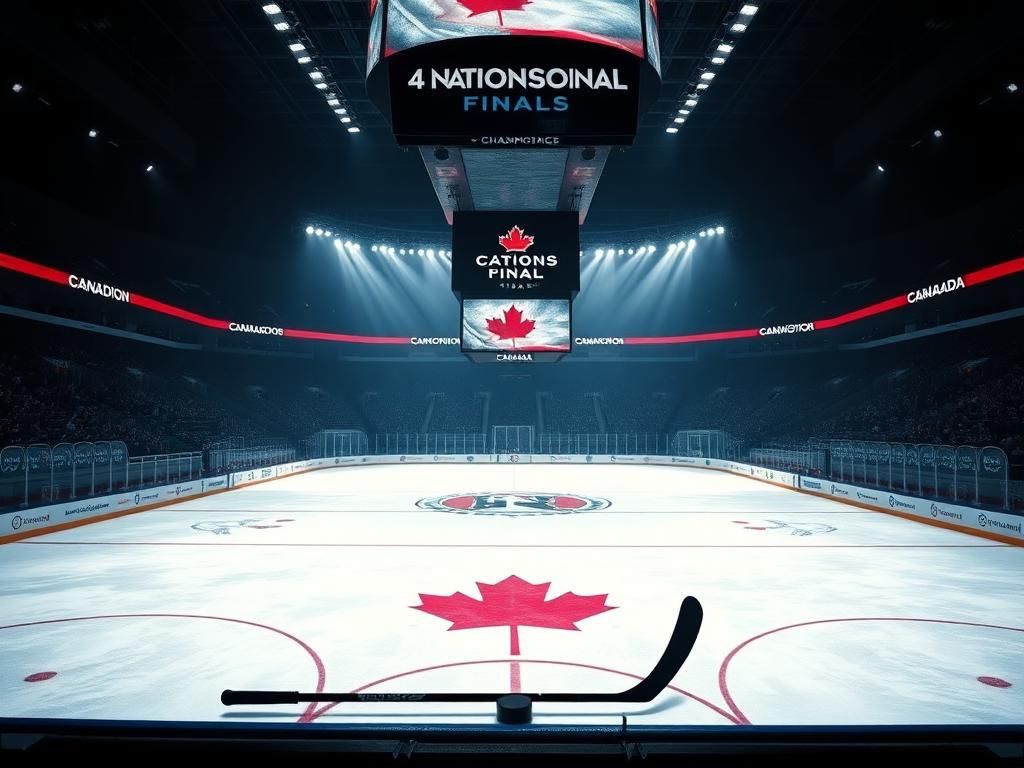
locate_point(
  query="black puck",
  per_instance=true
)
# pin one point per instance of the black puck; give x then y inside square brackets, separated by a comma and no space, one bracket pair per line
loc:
[515,709]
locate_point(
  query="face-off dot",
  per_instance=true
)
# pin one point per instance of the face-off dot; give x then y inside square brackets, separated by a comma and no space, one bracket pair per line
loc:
[995,682]
[38,677]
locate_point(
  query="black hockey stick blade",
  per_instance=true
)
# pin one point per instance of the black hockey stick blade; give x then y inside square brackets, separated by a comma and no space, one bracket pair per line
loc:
[684,636]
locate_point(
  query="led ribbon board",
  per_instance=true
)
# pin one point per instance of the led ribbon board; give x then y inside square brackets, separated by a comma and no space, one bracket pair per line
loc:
[494,73]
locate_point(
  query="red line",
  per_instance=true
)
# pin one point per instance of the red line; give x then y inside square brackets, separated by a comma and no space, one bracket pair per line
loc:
[860,314]
[994,272]
[345,337]
[321,671]
[727,715]
[724,669]
[513,640]
[183,314]
[34,270]
[515,678]
[693,337]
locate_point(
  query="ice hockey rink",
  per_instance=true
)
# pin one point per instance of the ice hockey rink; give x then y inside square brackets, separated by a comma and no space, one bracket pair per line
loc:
[390,579]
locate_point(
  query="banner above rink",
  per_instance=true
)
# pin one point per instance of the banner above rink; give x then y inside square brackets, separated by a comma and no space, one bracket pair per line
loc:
[511,73]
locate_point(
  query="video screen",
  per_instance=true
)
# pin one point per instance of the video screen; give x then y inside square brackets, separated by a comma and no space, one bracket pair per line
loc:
[527,325]
[651,25]
[376,30]
[615,23]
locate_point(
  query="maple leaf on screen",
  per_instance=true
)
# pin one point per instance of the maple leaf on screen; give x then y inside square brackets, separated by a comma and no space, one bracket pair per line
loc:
[514,326]
[513,603]
[516,239]
[476,7]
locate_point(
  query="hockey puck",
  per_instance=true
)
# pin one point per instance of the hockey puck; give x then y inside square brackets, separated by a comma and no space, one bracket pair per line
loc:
[515,709]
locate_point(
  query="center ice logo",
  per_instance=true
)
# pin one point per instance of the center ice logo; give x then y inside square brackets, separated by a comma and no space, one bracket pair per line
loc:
[513,504]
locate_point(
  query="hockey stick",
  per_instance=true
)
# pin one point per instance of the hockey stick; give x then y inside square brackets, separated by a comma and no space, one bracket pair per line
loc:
[684,635]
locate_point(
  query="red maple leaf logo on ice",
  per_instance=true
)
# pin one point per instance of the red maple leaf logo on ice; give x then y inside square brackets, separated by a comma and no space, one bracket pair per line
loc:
[512,327]
[515,239]
[514,603]
[476,7]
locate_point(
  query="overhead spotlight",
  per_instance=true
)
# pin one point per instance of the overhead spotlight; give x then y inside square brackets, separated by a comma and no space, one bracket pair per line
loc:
[346,119]
[430,253]
[707,75]
[599,253]
[1011,87]
[327,233]
[420,252]
[937,133]
[337,243]
[702,86]
[692,244]
[304,59]
[720,229]
[679,245]
[691,102]
[321,86]
[282,26]
[296,47]
[271,9]
[725,48]
[93,133]
[671,129]
[348,243]
[316,74]
[881,168]
[671,249]
[630,251]
[711,232]
[391,251]
[341,111]
[738,28]
[309,230]
[620,252]
[149,168]
[319,232]
[679,120]
[702,233]
[402,251]
[684,111]
[748,10]
[651,249]
[353,129]
[18,87]
[718,60]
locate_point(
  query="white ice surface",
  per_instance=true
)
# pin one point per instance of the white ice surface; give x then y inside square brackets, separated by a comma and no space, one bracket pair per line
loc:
[341,574]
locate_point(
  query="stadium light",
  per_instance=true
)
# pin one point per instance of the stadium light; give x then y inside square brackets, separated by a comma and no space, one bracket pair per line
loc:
[309,229]
[1011,87]
[93,133]
[692,244]
[337,243]
[630,251]
[346,119]
[321,86]
[702,86]
[748,10]
[149,168]
[319,232]
[881,168]
[671,129]
[282,26]
[711,232]
[679,120]
[271,9]
[599,253]
[671,249]
[296,47]
[391,251]
[720,229]
[373,247]
[333,102]
[621,253]
[348,243]
[707,76]
[691,102]
[718,60]
[304,59]
[18,87]
[327,233]
[684,111]
[316,74]
[738,28]
[702,233]
[430,253]
[937,133]
[353,129]
[725,48]
[419,252]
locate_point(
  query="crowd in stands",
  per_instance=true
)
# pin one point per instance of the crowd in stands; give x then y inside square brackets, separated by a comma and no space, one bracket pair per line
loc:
[57,391]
